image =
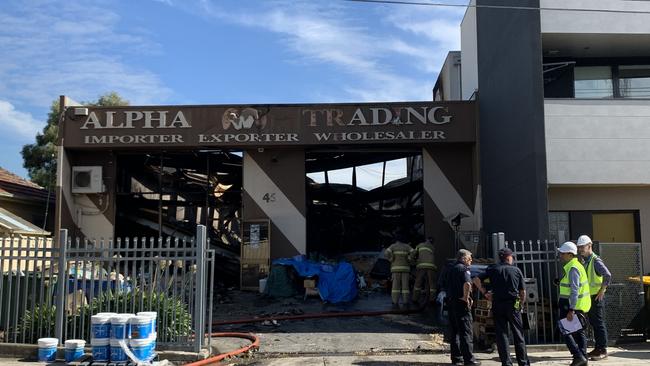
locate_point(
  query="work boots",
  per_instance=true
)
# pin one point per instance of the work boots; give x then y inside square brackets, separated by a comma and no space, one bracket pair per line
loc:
[597,354]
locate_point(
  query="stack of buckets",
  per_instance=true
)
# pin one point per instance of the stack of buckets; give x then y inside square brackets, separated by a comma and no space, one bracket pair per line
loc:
[110,331]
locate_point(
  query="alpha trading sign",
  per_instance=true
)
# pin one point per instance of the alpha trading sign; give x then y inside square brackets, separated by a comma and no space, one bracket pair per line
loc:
[272,125]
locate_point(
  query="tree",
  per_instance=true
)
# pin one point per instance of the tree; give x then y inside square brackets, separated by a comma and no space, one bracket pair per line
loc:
[39,158]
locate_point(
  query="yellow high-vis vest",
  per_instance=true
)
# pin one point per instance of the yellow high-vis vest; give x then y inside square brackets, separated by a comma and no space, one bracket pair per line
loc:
[595,281]
[584,299]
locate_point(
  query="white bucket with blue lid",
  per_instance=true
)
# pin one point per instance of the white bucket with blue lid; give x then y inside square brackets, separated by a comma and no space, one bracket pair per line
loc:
[101,349]
[153,315]
[100,326]
[120,327]
[117,353]
[141,327]
[74,349]
[47,349]
[142,349]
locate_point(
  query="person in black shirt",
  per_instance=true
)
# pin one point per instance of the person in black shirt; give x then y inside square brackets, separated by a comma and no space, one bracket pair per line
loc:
[507,295]
[459,292]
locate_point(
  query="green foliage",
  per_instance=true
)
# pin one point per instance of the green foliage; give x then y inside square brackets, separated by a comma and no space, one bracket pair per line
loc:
[39,158]
[41,318]
[173,309]
[174,320]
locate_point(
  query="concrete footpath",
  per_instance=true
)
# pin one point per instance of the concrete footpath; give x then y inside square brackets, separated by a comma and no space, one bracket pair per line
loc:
[632,356]
[618,356]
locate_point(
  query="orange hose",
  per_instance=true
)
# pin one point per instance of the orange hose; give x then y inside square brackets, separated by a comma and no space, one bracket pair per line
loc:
[255,344]
[256,341]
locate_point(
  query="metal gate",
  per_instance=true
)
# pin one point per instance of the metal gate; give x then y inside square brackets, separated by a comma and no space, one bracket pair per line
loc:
[624,300]
[538,262]
[53,291]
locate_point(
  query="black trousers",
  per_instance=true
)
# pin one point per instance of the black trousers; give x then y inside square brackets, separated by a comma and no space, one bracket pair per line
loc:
[461,335]
[504,314]
[576,342]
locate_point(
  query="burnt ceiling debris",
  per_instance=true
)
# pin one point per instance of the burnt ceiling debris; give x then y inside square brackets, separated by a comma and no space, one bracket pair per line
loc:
[350,216]
[169,193]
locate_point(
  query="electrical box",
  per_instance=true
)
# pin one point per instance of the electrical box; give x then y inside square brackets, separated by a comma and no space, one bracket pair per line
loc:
[87,179]
[532,293]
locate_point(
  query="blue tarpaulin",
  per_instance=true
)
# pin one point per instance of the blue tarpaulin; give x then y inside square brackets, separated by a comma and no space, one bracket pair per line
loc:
[336,283]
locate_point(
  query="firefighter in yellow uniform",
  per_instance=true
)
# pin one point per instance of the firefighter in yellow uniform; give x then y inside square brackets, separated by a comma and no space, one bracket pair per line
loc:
[422,256]
[574,301]
[398,256]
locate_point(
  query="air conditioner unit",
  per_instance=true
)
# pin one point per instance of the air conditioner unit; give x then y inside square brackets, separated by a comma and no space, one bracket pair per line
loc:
[87,179]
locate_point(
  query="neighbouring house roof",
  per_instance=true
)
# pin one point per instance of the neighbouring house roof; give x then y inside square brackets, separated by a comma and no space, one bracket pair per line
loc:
[9,177]
[14,224]
[12,185]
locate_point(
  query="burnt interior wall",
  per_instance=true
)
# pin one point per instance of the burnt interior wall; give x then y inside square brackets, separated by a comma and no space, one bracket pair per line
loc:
[511,114]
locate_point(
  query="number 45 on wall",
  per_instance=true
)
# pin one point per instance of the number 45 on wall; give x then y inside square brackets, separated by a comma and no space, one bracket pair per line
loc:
[269,197]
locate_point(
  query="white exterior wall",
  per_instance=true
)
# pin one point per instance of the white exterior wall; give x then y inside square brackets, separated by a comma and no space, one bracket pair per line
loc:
[469,53]
[563,21]
[597,141]
[450,77]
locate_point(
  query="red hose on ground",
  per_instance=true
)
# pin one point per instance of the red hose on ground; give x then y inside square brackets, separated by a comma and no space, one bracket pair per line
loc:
[255,344]
[256,341]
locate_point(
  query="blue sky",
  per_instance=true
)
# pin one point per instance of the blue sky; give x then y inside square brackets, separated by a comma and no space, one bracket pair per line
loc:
[212,52]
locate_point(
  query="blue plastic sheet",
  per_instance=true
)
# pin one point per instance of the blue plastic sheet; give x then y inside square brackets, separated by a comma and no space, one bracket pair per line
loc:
[336,283]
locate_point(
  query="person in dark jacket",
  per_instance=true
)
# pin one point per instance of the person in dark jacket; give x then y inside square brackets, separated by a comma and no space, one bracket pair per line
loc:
[507,295]
[459,291]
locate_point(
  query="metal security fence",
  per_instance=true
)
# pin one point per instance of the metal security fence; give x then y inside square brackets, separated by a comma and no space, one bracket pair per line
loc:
[26,265]
[538,262]
[624,299]
[54,291]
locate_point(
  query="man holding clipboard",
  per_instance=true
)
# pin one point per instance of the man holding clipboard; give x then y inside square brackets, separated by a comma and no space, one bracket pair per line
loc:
[574,302]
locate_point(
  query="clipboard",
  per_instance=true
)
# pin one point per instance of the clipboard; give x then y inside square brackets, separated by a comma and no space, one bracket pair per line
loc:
[570,326]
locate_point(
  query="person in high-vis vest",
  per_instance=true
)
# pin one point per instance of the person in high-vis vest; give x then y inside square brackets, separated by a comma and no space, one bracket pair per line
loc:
[400,268]
[599,278]
[423,258]
[574,301]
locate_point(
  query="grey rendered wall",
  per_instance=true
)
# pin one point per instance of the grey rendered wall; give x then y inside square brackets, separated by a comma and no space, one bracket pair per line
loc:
[607,198]
[511,117]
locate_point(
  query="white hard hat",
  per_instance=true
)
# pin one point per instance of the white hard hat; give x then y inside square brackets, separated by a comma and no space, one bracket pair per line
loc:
[568,247]
[584,240]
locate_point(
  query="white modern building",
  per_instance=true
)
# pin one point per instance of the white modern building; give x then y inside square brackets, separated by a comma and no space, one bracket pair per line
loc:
[563,89]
